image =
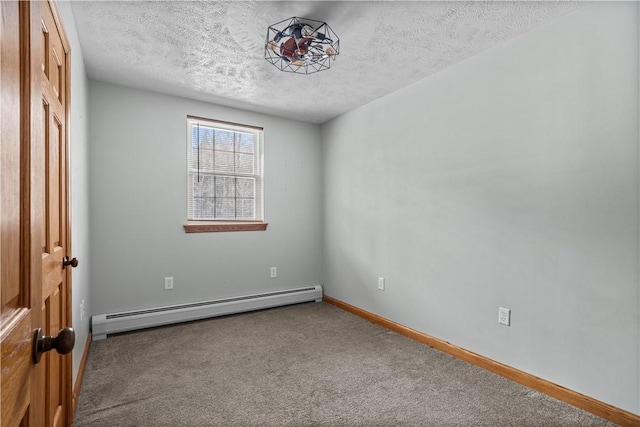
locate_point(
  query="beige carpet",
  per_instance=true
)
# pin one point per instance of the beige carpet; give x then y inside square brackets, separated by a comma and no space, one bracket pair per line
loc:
[303,365]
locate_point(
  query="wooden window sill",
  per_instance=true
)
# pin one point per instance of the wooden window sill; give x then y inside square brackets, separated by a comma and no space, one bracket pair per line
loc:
[219,226]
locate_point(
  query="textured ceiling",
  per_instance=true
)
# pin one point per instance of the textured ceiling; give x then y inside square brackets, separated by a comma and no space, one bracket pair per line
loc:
[214,50]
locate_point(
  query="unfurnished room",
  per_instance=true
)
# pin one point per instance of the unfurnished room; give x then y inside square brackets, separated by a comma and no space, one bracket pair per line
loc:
[320,213]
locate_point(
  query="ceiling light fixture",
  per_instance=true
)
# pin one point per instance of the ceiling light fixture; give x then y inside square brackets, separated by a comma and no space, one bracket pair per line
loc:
[301,45]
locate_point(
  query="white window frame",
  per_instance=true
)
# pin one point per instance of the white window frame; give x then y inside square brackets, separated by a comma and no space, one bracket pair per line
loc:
[256,223]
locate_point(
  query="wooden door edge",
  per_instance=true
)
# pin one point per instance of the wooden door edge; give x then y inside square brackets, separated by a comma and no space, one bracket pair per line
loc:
[68,397]
[32,205]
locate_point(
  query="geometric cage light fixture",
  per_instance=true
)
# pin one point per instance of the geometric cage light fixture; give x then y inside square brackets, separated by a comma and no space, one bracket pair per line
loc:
[301,45]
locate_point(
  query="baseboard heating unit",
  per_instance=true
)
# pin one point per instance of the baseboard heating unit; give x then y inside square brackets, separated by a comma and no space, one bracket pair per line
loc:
[104,324]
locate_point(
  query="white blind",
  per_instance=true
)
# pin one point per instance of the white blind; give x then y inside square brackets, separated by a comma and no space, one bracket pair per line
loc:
[224,171]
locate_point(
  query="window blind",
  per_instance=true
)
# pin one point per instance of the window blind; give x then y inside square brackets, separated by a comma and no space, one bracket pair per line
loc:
[224,171]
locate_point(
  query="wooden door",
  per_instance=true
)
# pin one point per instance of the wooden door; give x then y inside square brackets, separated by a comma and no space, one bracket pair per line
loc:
[20,300]
[54,244]
[34,232]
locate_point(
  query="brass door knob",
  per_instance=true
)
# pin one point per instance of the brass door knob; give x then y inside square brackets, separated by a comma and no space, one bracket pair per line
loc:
[63,343]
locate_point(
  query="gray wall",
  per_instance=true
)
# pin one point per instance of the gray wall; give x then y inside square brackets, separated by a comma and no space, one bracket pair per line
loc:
[78,136]
[510,179]
[138,206]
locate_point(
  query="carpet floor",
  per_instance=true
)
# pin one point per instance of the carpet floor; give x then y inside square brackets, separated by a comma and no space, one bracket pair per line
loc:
[302,365]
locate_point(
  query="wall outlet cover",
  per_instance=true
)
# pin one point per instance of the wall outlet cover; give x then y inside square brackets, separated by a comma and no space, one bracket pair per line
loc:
[504,316]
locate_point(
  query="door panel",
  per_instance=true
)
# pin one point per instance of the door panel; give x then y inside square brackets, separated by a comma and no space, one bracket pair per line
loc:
[34,232]
[16,316]
[16,368]
[10,153]
[55,292]
[54,283]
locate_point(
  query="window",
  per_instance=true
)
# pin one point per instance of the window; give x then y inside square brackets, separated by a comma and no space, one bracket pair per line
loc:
[224,176]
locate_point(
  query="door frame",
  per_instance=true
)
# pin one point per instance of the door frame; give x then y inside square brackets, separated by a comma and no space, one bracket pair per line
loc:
[67,384]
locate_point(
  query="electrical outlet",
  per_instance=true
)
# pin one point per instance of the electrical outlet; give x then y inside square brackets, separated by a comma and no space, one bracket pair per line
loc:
[504,316]
[168,283]
[381,283]
[274,272]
